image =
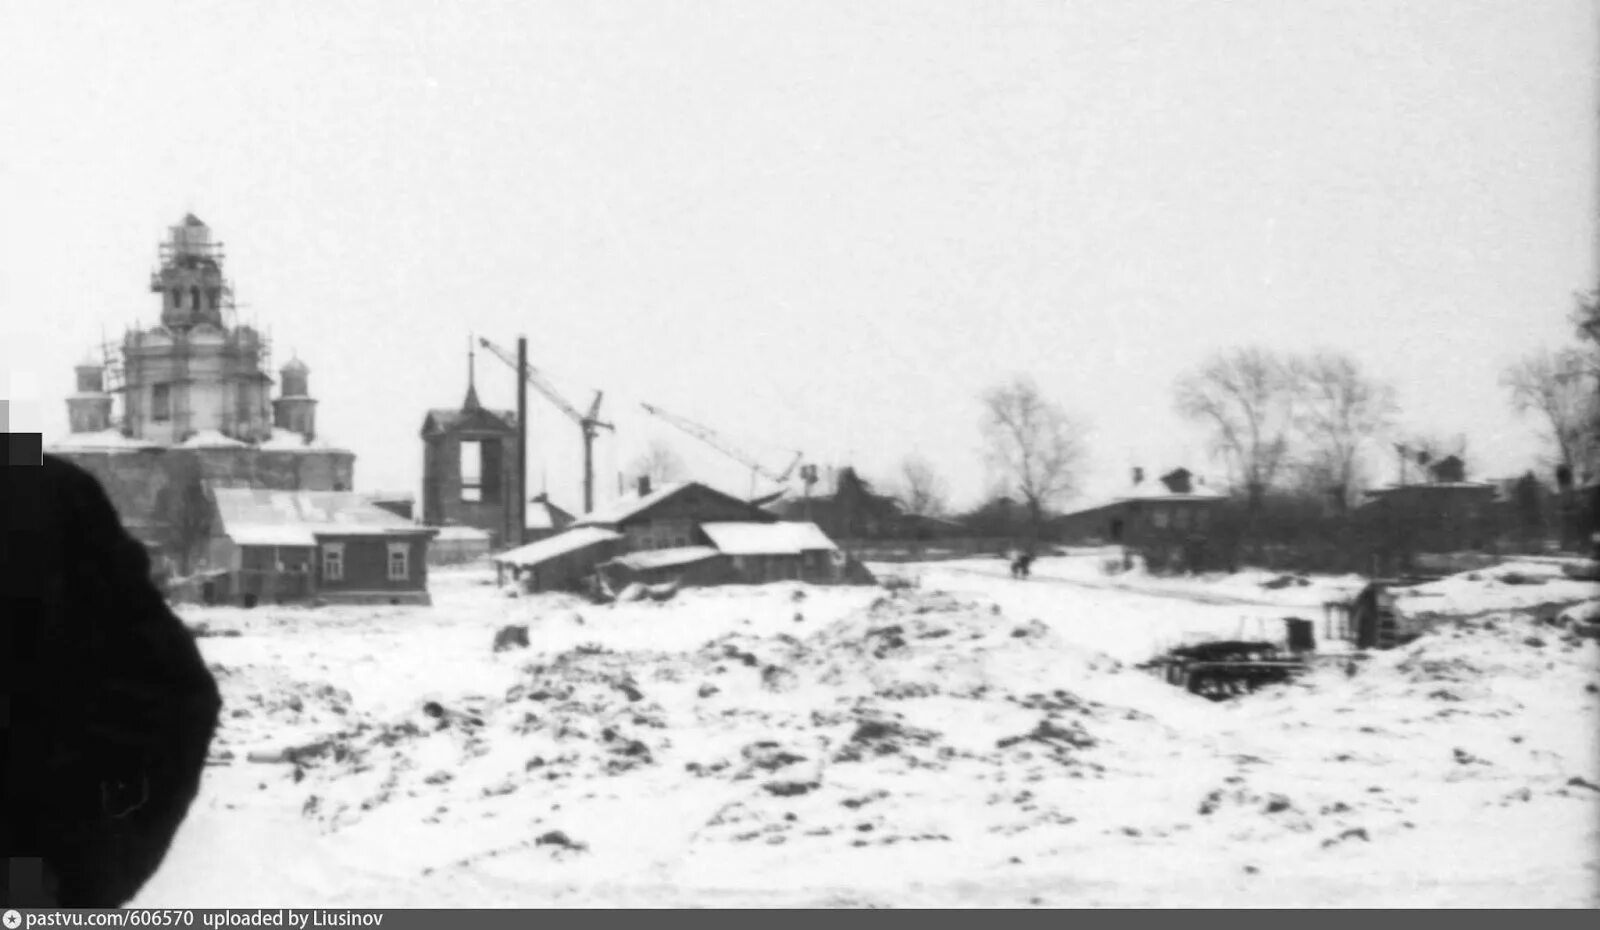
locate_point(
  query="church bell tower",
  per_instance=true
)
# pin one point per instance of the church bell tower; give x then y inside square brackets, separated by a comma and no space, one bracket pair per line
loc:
[190,278]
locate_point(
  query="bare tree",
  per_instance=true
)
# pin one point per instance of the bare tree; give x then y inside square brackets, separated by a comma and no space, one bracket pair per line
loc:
[1559,388]
[1247,398]
[1033,444]
[660,463]
[1340,410]
[921,490]
[1586,319]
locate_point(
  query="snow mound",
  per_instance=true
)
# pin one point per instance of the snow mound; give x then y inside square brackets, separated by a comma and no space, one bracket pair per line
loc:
[917,696]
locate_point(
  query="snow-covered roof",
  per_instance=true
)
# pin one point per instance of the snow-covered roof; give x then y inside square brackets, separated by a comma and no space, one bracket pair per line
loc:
[1153,491]
[461,534]
[103,439]
[767,538]
[543,515]
[269,535]
[253,516]
[544,550]
[632,504]
[210,439]
[1449,485]
[665,558]
[291,441]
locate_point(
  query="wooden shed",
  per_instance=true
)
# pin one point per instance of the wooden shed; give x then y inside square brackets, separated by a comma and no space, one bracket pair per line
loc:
[560,563]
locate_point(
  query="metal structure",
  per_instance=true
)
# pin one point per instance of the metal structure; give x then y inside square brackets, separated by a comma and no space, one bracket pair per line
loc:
[711,438]
[590,422]
[1225,669]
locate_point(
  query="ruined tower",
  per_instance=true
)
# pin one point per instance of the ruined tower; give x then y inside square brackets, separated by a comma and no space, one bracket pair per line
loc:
[469,468]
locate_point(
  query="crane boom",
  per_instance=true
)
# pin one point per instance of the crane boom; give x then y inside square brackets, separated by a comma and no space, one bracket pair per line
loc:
[539,383]
[711,438]
[590,423]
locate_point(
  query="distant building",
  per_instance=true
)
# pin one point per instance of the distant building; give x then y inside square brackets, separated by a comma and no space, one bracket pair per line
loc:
[683,531]
[563,562]
[1439,516]
[327,545]
[188,401]
[458,545]
[544,519]
[399,503]
[669,516]
[760,552]
[845,508]
[469,469]
[1174,514]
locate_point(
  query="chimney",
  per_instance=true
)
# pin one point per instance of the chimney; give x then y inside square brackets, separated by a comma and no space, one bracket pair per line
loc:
[1138,476]
[644,485]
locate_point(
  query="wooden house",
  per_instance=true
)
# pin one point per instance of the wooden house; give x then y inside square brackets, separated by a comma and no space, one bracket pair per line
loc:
[846,509]
[330,546]
[685,532]
[559,563]
[760,552]
[1174,511]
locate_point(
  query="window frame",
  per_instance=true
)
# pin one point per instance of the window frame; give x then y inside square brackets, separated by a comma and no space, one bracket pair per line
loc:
[333,561]
[403,550]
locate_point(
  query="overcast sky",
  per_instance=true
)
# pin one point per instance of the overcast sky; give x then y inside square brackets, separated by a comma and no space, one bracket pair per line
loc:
[817,226]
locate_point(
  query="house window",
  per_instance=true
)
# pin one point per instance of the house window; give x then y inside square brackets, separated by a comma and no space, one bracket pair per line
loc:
[1158,517]
[1180,518]
[161,402]
[399,561]
[333,562]
[471,470]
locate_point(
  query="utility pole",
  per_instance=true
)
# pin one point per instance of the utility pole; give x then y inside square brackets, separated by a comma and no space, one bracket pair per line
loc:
[521,509]
[590,422]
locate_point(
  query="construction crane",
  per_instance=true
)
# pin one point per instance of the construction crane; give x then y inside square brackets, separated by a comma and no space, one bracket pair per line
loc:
[711,438]
[589,422]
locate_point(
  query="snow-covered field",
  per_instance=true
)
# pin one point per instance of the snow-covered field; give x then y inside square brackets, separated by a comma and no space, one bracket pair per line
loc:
[970,741]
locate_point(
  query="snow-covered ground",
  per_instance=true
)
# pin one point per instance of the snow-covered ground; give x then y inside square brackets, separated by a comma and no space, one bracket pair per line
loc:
[971,741]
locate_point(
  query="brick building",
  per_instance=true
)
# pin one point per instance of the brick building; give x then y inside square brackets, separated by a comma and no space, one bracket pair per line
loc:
[469,469]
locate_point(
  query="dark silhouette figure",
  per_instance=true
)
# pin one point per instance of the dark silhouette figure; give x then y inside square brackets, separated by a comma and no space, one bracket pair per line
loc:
[112,708]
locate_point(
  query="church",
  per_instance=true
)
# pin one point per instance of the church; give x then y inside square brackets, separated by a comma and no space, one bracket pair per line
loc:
[185,406]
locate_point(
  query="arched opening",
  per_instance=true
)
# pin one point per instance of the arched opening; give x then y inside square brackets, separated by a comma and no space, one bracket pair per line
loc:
[194,299]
